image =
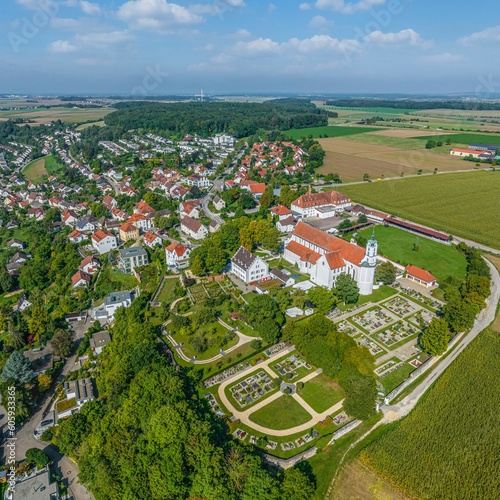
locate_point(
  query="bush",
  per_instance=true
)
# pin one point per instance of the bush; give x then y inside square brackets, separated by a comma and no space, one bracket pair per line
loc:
[256,344]
[37,457]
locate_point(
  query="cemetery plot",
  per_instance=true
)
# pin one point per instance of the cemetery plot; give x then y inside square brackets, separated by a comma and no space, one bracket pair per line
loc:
[374,319]
[349,329]
[291,367]
[401,306]
[396,334]
[421,318]
[374,348]
[275,349]
[220,377]
[214,405]
[246,392]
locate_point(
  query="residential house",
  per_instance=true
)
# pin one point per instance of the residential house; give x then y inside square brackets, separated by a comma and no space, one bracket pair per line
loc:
[219,203]
[213,226]
[129,231]
[15,243]
[38,486]
[281,211]
[286,225]
[87,224]
[248,267]
[103,241]
[81,279]
[284,276]
[90,265]
[193,229]
[111,304]
[22,303]
[151,240]
[255,188]
[41,359]
[109,202]
[144,209]
[98,341]
[177,256]
[130,258]
[78,392]
[77,236]
[141,222]
[191,208]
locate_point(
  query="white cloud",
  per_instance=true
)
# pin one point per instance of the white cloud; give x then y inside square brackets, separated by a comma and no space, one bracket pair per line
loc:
[241,33]
[103,38]
[62,47]
[258,46]
[319,22]
[347,7]
[487,35]
[403,37]
[90,8]
[304,6]
[157,15]
[440,58]
[322,43]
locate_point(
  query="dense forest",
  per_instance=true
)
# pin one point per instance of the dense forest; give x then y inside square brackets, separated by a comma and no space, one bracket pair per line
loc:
[412,104]
[208,118]
[150,436]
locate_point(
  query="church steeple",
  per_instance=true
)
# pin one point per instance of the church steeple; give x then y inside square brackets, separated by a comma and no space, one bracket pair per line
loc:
[370,258]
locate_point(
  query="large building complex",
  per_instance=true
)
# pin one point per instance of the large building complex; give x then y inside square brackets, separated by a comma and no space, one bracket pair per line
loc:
[321,205]
[324,256]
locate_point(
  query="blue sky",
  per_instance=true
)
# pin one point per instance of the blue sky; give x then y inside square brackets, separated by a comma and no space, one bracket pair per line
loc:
[229,46]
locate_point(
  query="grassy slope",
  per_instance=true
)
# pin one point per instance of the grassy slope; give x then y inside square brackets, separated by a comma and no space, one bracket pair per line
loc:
[464,204]
[448,447]
[441,260]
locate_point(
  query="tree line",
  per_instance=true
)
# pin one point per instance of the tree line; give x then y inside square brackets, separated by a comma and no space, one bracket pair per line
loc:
[414,104]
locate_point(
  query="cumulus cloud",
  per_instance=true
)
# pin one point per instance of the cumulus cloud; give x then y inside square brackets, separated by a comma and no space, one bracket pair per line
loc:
[403,37]
[440,58]
[257,47]
[347,7]
[90,8]
[157,15]
[319,22]
[62,47]
[487,35]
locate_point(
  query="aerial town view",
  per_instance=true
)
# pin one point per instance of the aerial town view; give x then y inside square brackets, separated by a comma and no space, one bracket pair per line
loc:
[249,250]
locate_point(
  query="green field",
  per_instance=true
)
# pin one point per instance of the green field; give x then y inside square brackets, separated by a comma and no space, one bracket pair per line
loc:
[321,393]
[328,131]
[448,447]
[40,168]
[282,413]
[463,204]
[437,258]
[492,139]
[166,293]
[395,378]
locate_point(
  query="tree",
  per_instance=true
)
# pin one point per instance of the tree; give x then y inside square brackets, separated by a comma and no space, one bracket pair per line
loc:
[38,321]
[267,197]
[460,315]
[323,299]
[296,485]
[16,337]
[17,368]
[37,457]
[434,339]
[6,281]
[366,177]
[246,201]
[386,273]
[62,343]
[347,288]
[44,381]
[362,219]
[478,284]
[345,224]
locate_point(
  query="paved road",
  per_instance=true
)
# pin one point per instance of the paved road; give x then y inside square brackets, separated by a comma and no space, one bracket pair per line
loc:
[26,440]
[394,412]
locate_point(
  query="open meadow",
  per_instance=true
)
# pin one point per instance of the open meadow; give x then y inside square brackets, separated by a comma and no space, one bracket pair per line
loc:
[329,131]
[462,204]
[67,115]
[41,168]
[448,446]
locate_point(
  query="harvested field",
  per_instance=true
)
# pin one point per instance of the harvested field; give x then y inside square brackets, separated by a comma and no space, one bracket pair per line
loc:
[352,159]
[405,133]
[35,169]
[69,115]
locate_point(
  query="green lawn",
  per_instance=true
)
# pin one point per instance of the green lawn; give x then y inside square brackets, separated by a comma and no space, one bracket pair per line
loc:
[396,377]
[321,393]
[463,204]
[282,413]
[437,258]
[466,139]
[328,131]
[166,293]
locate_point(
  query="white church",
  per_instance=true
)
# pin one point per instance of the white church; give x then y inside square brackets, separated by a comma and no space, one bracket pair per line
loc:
[323,257]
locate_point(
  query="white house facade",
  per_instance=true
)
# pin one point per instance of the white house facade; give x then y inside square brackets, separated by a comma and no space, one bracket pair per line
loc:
[248,267]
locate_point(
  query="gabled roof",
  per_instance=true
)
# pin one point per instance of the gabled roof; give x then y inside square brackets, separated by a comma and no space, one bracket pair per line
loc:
[143,208]
[101,235]
[178,248]
[150,237]
[420,274]
[318,199]
[280,210]
[243,258]
[305,254]
[128,227]
[80,275]
[334,260]
[191,224]
[329,243]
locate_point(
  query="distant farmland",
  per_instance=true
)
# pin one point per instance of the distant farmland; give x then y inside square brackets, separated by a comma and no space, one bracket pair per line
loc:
[493,139]
[462,204]
[328,131]
[67,115]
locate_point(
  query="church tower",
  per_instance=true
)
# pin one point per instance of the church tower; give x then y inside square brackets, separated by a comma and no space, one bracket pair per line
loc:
[368,264]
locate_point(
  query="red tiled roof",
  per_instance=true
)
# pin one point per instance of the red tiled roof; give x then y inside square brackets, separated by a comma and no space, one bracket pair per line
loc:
[334,260]
[319,199]
[330,243]
[80,275]
[150,237]
[128,227]
[281,210]
[420,274]
[143,208]
[178,248]
[101,235]
[305,254]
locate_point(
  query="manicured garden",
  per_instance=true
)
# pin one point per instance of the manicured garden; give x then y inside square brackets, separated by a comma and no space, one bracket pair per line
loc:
[282,413]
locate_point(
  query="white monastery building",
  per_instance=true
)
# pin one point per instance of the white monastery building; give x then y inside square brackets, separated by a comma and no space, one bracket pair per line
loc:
[323,205]
[323,257]
[248,267]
